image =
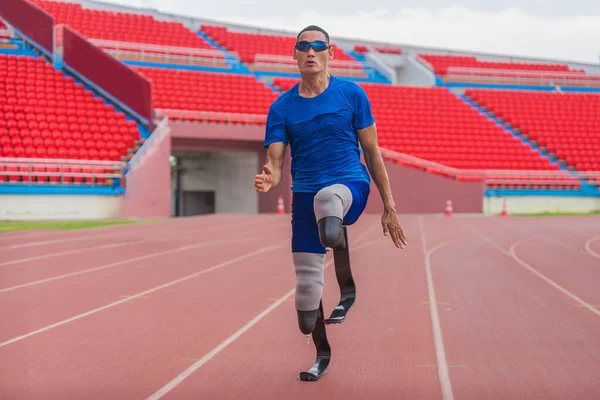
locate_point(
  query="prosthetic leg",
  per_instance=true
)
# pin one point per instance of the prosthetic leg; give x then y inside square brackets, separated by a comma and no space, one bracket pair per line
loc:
[331,205]
[319,336]
[343,273]
[347,296]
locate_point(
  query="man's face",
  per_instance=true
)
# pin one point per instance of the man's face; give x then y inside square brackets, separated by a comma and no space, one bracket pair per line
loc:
[311,61]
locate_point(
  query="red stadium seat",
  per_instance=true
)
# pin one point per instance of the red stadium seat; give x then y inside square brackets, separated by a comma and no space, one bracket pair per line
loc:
[50,130]
[221,97]
[564,124]
[441,62]
[453,68]
[122,26]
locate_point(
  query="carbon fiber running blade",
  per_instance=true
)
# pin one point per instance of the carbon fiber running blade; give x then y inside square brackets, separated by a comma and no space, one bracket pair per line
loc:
[343,273]
[319,336]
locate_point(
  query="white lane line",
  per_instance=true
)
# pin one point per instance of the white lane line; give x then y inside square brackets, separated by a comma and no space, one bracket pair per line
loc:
[65,236]
[184,236]
[45,242]
[513,255]
[148,233]
[4,237]
[438,338]
[66,253]
[589,248]
[195,366]
[192,368]
[146,292]
[129,260]
[588,251]
[569,247]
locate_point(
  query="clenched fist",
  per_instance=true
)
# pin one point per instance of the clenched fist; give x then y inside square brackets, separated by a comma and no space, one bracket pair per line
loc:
[263,182]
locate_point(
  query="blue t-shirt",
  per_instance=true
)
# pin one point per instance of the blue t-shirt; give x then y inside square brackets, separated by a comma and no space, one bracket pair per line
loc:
[321,133]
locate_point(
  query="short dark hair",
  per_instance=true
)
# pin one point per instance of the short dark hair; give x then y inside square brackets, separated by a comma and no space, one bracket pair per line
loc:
[313,28]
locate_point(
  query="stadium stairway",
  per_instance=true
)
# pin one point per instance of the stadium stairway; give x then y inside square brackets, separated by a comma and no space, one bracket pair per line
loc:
[377,76]
[17,47]
[271,85]
[236,65]
[14,47]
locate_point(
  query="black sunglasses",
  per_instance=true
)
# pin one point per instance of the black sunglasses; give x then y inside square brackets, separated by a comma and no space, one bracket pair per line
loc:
[317,46]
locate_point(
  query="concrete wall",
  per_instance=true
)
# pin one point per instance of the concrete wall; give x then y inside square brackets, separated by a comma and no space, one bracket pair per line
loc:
[417,191]
[230,175]
[415,74]
[235,139]
[23,207]
[148,182]
[492,205]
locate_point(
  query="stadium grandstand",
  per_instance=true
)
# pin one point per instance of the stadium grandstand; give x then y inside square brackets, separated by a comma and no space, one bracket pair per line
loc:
[114,112]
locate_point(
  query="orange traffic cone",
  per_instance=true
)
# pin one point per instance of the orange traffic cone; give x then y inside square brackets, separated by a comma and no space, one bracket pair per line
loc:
[449,208]
[280,207]
[504,209]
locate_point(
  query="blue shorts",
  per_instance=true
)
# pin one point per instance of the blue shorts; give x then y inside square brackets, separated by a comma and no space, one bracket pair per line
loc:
[305,231]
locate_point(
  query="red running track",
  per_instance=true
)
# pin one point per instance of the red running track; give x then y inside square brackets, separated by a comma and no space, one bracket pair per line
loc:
[473,308]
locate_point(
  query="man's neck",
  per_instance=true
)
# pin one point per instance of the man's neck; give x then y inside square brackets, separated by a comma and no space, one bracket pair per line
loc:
[314,85]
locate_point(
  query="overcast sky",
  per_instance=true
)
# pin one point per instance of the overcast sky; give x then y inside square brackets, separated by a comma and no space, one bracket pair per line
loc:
[568,30]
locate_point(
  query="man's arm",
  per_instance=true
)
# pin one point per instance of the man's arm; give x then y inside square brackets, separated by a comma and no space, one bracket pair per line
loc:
[375,165]
[275,156]
[273,169]
[374,160]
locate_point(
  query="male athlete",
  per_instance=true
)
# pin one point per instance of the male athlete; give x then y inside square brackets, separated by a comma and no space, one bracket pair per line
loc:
[323,119]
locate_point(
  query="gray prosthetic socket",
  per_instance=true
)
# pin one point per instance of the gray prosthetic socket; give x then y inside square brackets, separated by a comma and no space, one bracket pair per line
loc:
[309,280]
[332,201]
[331,204]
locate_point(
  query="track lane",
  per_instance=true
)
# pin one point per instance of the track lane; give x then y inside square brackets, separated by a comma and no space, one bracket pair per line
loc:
[565,265]
[547,349]
[12,256]
[508,333]
[29,308]
[576,271]
[160,228]
[569,232]
[381,351]
[128,348]
[24,271]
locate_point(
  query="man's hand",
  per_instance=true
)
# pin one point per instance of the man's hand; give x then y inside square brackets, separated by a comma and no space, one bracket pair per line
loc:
[271,175]
[264,182]
[392,227]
